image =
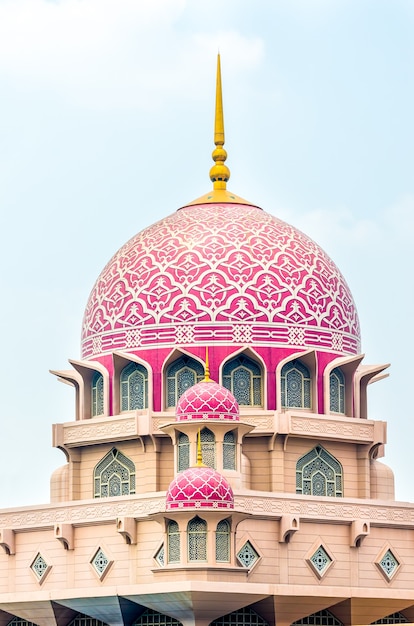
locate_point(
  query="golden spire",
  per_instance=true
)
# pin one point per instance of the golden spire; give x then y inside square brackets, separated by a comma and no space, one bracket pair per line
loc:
[199,453]
[219,173]
[207,378]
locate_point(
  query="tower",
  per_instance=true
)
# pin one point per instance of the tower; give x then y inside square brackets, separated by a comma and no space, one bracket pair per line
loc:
[221,468]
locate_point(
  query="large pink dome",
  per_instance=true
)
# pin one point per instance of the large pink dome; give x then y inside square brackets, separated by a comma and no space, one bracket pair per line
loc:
[224,274]
[207,400]
[199,487]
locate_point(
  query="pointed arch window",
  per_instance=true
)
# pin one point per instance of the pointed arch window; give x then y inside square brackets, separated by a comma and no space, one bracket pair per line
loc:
[242,617]
[229,451]
[337,391]
[295,385]
[197,539]
[97,394]
[318,473]
[114,475]
[84,620]
[182,374]
[223,542]
[183,445]
[208,447]
[321,617]
[134,387]
[173,542]
[243,377]
[153,618]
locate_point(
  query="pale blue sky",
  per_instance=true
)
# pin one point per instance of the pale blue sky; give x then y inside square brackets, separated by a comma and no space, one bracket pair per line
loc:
[106,126]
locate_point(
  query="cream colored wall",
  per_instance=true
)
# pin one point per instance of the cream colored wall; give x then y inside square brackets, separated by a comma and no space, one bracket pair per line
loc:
[141,452]
[256,450]
[355,470]
[166,470]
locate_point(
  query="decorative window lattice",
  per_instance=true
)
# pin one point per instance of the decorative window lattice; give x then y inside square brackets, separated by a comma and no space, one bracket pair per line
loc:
[173,542]
[321,618]
[395,618]
[152,618]
[160,556]
[295,386]
[84,620]
[182,374]
[242,617]
[243,377]
[223,542]
[320,560]
[20,622]
[114,476]
[337,391]
[39,566]
[247,555]
[183,452]
[100,562]
[208,448]
[318,473]
[229,451]
[134,387]
[197,539]
[389,564]
[97,394]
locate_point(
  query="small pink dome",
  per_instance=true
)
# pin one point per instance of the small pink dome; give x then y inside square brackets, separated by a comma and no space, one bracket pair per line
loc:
[207,400]
[199,487]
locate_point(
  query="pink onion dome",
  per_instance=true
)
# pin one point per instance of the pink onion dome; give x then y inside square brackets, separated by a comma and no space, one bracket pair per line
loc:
[207,400]
[197,487]
[220,273]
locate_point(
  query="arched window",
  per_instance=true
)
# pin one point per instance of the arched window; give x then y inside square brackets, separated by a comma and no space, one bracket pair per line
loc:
[84,620]
[97,394]
[134,387]
[152,618]
[242,617]
[173,542]
[318,473]
[243,377]
[394,618]
[197,539]
[183,452]
[223,542]
[321,617]
[229,451]
[295,386]
[182,374]
[17,621]
[337,391]
[114,475]
[208,447]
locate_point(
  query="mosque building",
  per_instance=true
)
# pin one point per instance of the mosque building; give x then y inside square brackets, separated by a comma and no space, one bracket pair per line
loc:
[221,468]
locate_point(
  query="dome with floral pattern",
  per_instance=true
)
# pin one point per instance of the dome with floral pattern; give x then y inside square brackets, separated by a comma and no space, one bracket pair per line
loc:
[197,487]
[207,400]
[222,274]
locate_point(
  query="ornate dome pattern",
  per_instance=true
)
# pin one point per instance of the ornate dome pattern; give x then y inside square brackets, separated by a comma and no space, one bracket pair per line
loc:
[199,487]
[207,400]
[220,273]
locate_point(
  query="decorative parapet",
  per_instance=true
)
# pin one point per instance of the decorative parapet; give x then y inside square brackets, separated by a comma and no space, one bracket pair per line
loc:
[291,507]
[293,423]
[336,428]
[101,429]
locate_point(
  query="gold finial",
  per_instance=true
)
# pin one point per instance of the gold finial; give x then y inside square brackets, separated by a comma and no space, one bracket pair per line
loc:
[199,453]
[219,173]
[207,378]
